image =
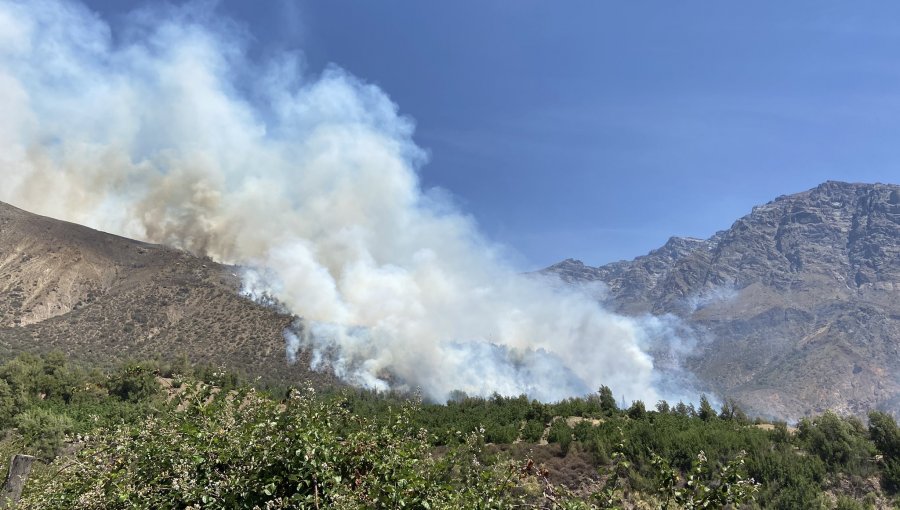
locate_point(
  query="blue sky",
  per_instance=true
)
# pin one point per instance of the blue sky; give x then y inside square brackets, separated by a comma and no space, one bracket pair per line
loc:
[596,130]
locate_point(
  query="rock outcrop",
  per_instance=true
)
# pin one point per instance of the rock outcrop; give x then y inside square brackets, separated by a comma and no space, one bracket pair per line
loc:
[798,302]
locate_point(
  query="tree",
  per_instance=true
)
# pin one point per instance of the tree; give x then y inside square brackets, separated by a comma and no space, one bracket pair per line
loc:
[838,442]
[683,409]
[885,434]
[20,374]
[662,407]
[637,411]
[607,400]
[730,411]
[133,383]
[706,411]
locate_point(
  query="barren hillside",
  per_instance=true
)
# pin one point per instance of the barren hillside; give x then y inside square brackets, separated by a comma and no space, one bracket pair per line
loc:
[103,298]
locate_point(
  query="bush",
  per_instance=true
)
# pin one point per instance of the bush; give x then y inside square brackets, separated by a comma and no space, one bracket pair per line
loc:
[885,434]
[7,404]
[890,476]
[44,431]
[847,503]
[501,434]
[560,432]
[246,452]
[357,448]
[532,431]
[840,443]
[637,411]
[133,383]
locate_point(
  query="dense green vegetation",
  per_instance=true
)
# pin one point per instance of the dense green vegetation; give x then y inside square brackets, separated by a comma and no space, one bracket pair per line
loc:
[171,436]
[796,468]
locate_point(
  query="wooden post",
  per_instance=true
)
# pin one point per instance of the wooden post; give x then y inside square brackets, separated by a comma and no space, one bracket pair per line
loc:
[19,468]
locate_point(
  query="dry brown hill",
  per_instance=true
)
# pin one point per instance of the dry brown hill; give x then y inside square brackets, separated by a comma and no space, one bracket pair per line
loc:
[102,298]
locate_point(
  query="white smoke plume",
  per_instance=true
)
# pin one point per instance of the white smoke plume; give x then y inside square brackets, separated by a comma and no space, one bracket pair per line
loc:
[713,296]
[165,130]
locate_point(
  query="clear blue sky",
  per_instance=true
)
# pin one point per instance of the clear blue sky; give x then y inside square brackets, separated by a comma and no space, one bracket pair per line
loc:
[596,130]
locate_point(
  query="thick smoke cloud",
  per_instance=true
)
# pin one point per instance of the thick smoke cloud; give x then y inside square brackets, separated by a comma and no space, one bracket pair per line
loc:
[167,131]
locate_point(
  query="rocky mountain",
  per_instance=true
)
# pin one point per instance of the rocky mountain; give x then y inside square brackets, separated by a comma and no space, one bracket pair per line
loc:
[102,299]
[797,305]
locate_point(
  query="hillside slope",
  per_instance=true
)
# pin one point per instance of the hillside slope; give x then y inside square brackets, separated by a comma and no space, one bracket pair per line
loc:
[103,298]
[797,304]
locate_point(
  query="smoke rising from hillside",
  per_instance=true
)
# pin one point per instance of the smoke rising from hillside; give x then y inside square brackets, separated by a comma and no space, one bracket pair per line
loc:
[166,131]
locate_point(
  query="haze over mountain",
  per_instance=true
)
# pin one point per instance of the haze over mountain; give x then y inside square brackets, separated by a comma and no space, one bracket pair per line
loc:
[797,305]
[794,308]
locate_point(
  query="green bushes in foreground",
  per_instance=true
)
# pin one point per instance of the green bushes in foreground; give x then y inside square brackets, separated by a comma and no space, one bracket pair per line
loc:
[243,450]
[142,436]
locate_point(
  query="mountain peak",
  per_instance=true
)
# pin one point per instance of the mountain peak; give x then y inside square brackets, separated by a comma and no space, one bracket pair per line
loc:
[812,314]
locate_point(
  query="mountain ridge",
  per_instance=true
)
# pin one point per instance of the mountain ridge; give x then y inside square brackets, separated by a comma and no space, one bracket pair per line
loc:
[796,301]
[103,299]
[794,306]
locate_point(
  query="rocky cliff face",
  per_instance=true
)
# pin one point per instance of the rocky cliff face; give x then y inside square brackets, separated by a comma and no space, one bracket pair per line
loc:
[798,302]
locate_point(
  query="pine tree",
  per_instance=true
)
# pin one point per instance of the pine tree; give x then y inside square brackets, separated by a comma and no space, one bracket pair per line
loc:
[706,411]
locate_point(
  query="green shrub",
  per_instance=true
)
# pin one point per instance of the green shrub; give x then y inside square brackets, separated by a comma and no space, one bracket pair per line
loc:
[276,448]
[133,382]
[847,503]
[840,443]
[246,451]
[7,404]
[637,411]
[560,432]
[532,431]
[501,434]
[44,431]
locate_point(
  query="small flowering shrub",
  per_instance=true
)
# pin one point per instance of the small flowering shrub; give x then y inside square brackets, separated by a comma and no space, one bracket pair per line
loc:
[157,435]
[239,449]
